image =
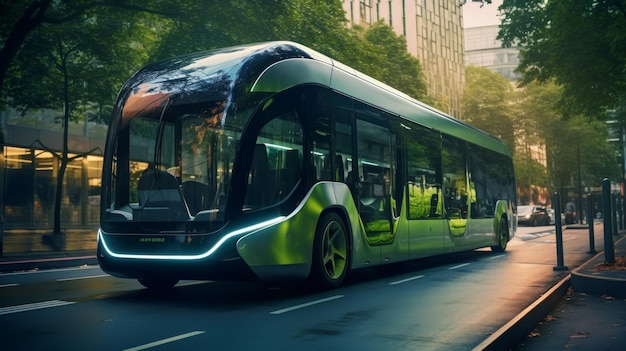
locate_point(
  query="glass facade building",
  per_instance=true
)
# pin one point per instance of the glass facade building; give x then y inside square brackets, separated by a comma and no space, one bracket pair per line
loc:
[434,34]
[483,49]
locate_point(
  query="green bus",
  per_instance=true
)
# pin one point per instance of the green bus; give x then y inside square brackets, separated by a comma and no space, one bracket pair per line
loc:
[273,162]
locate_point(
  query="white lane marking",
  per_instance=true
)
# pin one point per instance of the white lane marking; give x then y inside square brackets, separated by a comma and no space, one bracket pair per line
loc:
[459,266]
[37,271]
[165,341]
[406,280]
[8,285]
[494,257]
[33,306]
[189,283]
[86,277]
[289,309]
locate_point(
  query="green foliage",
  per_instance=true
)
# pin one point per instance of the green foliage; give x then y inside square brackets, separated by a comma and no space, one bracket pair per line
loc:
[88,48]
[530,120]
[486,103]
[581,44]
[75,65]
[397,67]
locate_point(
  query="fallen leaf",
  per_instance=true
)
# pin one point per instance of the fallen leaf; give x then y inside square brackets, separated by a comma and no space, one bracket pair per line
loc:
[550,318]
[578,335]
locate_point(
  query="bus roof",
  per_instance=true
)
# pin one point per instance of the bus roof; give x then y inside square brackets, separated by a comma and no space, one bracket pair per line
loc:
[322,70]
[280,65]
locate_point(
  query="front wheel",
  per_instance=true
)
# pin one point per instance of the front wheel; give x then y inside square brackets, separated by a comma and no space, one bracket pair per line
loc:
[503,237]
[331,254]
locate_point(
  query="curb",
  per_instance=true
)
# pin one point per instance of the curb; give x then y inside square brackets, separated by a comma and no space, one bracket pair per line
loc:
[595,284]
[510,334]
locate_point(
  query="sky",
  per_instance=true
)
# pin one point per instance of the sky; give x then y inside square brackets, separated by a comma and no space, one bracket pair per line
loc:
[476,16]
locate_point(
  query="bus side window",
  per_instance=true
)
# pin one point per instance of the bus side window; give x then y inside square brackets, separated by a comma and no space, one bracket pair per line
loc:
[257,192]
[424,173]
[276,166]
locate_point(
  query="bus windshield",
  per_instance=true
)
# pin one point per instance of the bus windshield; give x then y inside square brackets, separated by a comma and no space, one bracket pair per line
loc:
[172,166]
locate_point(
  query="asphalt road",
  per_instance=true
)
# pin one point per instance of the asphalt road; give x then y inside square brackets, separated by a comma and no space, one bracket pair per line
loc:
[444,303]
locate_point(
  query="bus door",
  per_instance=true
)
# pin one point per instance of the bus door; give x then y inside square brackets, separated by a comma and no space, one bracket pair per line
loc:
[424,200]
[375,186]
[456,191]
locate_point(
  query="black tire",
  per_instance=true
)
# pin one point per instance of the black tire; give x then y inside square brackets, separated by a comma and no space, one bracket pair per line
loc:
[503,237]
[158,283]
[331,253]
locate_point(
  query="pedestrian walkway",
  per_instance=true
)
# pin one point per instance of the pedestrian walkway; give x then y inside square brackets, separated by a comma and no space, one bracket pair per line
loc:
[25,250]
[580,321]
[592,314]
[585,311]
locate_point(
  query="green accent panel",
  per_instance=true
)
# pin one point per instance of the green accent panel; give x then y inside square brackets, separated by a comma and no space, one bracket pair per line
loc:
[457,226]
[287,247]
[289,73]
[502,209]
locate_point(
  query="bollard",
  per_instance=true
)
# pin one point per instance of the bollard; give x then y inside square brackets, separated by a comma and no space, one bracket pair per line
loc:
[556,203]
[592,244]
[614,213]
[609,246]
[620,210]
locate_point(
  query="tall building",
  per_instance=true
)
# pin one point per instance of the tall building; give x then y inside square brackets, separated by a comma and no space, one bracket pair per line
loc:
[434,34]
[483,49]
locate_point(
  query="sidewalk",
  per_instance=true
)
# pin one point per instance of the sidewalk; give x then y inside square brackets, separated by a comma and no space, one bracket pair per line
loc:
[584,311]
[34,250]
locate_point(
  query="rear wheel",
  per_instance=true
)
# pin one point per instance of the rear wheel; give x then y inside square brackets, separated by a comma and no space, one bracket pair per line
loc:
[331,255]
[503,237]
[163,283]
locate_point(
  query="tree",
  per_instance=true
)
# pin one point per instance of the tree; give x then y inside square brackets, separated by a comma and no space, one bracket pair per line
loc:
[21,17]
[487,98]
[577,150]
[67,68]
[397,67]
[581,44]
[321,25]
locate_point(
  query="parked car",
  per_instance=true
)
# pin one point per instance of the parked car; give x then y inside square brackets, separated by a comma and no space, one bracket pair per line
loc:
[532,215]
[552,215]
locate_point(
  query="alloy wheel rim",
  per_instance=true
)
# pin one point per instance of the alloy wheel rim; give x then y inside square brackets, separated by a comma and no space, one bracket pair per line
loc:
[335,250]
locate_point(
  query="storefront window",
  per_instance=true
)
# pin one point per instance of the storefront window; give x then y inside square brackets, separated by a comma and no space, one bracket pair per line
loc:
[18,195]
[29,193]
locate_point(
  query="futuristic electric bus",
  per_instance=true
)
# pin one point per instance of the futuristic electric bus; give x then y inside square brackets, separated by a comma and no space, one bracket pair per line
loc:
[273,162]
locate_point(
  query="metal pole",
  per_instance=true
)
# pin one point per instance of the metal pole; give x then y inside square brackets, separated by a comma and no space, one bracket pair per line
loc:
[614,212]
[592,244]
[620,206]
[609,246]
[556,202]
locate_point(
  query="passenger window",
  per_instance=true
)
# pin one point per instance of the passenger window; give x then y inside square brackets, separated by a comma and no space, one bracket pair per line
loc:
[276,167]
[375,185]
[424,173]
[455,183]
